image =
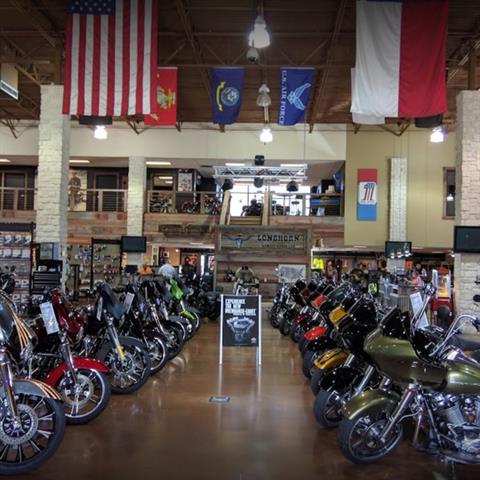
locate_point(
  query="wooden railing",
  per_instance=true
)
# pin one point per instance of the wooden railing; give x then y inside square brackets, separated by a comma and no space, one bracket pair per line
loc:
[17,199]
[306,204]
[203,203]
[97,200]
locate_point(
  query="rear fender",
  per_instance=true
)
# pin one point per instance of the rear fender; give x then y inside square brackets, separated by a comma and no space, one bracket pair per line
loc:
[381,399]
[33,387]
[78,362]
[340,378]
[321,343]
[315,332]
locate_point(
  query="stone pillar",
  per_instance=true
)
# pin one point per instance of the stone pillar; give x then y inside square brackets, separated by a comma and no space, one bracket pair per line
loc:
[53,160]
[467,206]
[398,199]
[137,183]
[397,206]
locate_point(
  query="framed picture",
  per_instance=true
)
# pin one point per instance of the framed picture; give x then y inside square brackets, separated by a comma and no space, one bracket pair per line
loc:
[185,182]
[77,193]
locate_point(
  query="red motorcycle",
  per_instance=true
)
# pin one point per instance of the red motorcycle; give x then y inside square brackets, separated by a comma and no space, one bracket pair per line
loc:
[81,381]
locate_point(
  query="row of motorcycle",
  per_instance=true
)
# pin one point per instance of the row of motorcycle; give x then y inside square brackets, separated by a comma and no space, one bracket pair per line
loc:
[379,374]
[60,364]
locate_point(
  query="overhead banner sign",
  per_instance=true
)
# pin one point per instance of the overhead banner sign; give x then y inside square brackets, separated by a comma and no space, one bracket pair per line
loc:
[226,85]
[367,194]
[273,240]
[165,112]
[240,326]
[296,84]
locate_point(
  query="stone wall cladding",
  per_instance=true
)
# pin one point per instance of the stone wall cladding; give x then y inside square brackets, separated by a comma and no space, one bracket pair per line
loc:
[398,199]
[53,164]
[137,182]
[467,206]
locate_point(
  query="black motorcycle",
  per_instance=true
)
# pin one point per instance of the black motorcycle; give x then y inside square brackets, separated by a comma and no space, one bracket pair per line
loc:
[126,356]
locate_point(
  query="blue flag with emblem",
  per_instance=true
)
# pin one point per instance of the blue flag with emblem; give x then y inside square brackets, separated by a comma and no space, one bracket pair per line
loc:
[295,87]
[226,84]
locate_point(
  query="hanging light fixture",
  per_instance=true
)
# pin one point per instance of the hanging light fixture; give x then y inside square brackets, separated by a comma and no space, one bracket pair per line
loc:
[258,182]
[266,135]
[438,135]
[292,186]
[100,132]
[259,36]
[450,197]
[264,100]
[227,185]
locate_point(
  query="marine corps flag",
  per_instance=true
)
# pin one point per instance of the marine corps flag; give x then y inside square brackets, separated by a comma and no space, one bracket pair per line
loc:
[226,85]
[296,84]
[165,112]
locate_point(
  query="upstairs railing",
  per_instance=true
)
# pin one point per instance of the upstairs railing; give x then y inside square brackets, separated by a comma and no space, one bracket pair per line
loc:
[202,203]
[19,199]
[306,204]
[97,200]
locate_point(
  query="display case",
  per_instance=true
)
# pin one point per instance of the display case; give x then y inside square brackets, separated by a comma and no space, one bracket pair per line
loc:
[80,263]
[16,252]
[106,262]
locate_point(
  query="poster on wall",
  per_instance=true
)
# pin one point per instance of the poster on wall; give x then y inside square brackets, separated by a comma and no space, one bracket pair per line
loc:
[367,194]
[77,193]
[185,182]
[290,273]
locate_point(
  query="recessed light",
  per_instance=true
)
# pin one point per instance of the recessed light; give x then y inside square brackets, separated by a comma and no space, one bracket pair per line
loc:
[79,161]
[154,162]
[289,165]
[5,160]
[234,164]
[164,178]
[196,243]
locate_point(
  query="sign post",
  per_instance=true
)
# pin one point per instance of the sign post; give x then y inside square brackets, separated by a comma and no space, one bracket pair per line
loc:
[241,323]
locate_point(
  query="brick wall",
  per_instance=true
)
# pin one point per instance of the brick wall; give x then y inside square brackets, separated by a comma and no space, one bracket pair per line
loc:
[467,266]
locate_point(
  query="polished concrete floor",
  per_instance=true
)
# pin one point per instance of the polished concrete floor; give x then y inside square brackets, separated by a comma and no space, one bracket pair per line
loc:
[169,430]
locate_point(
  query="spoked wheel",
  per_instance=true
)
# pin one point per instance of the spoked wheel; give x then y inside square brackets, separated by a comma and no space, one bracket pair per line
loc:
[327,406]
[174,342]
[30,440]
[157,351]
[131,372]
[359,437]
[85,400]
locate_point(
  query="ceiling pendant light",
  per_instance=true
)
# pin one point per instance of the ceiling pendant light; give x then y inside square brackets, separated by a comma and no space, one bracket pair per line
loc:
[259,36]
[264,100]
[100,132]
[438,135]
[266,135]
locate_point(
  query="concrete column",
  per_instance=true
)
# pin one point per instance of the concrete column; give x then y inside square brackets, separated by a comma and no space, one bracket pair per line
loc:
[53,159]
[398,199]
[467,210]
[137,184]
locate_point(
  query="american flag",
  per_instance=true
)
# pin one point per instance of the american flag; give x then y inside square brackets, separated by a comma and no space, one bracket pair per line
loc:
[110,57]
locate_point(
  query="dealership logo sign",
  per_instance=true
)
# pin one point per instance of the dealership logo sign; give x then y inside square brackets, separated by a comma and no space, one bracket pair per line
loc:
[367,193]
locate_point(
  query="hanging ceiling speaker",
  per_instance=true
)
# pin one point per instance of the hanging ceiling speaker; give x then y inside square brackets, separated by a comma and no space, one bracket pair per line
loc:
[258,182]
[292,186]
[227,185]
[259,160]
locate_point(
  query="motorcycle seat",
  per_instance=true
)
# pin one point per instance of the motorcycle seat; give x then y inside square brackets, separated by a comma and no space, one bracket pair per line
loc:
[467,341]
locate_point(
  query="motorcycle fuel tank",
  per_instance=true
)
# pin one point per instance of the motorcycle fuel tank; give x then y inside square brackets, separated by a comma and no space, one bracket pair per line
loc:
[397,359]
[462,378]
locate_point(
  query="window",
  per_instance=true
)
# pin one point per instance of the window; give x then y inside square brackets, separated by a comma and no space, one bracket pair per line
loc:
[448,193]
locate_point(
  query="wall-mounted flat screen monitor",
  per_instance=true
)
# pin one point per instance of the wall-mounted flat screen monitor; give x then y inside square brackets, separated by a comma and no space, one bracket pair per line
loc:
[397,248]
[466,239]
[132,244]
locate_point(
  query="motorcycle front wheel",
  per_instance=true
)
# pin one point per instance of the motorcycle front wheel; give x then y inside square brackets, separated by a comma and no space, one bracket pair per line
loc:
[131,372]
[87,399]
[157,350]
[25,446]
[327,406]
[359,437]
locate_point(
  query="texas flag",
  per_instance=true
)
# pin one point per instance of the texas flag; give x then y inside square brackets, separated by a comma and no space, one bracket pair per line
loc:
[400,59]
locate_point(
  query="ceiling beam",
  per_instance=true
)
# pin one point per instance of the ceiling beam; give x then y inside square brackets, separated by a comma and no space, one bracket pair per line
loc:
[322,77]
[38,20]
[188,29]
[261,66]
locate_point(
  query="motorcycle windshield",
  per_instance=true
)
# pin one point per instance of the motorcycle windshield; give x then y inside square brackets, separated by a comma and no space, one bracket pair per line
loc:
[110,301]
[7,322]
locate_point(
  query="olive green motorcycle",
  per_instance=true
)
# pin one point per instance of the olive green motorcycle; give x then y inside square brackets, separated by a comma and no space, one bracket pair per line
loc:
[441,394]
